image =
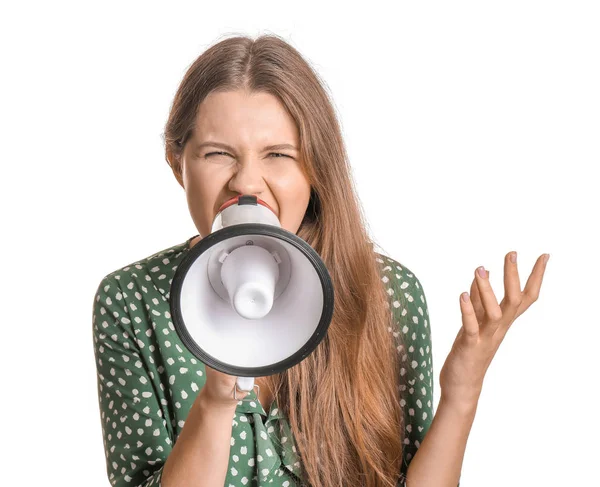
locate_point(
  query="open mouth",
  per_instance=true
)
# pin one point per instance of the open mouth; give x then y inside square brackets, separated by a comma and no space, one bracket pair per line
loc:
[233,200]
[227,203]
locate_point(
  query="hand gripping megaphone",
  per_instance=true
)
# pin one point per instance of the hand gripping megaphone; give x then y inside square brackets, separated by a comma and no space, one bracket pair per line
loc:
[251,299]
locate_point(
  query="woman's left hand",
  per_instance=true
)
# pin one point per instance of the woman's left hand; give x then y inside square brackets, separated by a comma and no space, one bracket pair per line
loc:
[485,322]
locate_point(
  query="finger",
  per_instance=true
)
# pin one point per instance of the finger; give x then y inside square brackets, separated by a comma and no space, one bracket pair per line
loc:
[476,301]
[469,319]
[488,298]
[512,286]
[534,283]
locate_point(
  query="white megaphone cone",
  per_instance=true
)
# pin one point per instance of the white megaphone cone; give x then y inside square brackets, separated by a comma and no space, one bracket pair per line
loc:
[251,299]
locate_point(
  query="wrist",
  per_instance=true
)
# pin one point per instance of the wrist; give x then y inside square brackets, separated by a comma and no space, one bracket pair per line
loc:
[208,404]
[464,407]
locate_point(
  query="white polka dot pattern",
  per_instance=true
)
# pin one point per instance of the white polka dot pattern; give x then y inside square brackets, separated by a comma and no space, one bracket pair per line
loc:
[148,381]
[411,315]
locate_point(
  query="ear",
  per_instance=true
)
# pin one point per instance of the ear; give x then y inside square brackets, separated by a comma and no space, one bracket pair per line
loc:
[174,162]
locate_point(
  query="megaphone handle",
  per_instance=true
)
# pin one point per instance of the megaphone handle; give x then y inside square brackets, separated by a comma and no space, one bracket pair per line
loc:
[244,384]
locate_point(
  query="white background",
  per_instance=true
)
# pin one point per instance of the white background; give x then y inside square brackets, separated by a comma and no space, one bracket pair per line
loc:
[473,129]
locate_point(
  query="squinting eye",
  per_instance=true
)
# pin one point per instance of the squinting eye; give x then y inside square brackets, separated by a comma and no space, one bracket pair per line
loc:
[211,153]
[271,153]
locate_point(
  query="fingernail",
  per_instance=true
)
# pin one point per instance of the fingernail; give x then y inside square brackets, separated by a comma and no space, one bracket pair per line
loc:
[513,257]
[546,258]
[481,271]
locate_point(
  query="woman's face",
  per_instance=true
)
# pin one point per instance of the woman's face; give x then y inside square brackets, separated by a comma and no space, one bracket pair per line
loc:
[247,124]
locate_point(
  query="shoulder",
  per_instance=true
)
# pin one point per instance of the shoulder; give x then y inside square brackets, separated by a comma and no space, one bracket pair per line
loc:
[159,264]
[401,280]
[136,294]
[407,303]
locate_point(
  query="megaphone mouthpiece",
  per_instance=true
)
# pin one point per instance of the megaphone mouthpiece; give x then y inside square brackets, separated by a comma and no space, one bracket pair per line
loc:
[249,274]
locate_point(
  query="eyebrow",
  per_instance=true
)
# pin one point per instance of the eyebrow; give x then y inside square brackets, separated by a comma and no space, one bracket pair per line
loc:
[229,148]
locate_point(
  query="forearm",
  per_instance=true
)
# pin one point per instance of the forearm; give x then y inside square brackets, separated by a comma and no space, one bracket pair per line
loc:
[438,460]
[200,455]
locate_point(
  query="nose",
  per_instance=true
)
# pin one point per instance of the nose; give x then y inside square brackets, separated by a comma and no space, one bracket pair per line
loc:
[248,178]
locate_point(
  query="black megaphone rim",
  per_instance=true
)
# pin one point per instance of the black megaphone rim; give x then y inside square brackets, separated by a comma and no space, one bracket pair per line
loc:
[251,229]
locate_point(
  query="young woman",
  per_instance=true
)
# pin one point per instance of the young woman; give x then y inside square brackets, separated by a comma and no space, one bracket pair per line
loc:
[252,117]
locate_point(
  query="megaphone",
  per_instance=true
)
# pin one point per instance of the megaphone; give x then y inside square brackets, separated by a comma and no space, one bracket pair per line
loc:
[251,299]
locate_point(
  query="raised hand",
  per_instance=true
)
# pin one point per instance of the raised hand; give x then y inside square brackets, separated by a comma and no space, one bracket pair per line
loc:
[484,325]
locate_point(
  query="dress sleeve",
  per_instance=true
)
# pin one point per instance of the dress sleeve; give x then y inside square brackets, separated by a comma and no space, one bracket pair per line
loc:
[136,440]
[410,313]
[412,317]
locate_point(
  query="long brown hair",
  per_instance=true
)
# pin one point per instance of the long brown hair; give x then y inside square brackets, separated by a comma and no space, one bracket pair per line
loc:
[342,400]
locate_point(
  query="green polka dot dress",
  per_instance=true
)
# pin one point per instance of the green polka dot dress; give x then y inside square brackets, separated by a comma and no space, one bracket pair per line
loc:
[147,379]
